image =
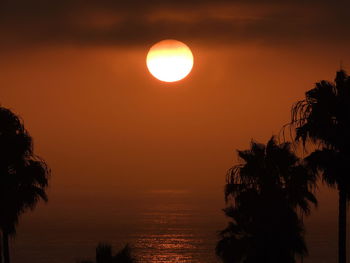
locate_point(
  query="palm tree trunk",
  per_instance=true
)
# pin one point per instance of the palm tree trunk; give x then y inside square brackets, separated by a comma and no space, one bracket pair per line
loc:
[5,243]
[342,227]
[0,249]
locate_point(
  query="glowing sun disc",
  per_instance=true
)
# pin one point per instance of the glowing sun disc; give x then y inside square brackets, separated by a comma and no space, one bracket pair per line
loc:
[169,60]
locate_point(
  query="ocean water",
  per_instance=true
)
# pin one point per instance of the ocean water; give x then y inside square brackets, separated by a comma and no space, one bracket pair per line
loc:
[161,226]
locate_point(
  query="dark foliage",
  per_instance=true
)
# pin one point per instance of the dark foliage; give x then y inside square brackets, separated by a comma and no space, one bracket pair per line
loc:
[23,175]
[104,255]
[323,117]
[263,194]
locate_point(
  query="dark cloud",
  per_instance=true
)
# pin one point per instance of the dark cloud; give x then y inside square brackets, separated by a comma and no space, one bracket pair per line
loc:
[133,22]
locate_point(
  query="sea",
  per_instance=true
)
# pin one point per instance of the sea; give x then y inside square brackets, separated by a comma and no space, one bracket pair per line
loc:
[167,225]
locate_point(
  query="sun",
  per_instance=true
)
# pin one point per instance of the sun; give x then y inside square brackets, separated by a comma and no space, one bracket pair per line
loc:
[169,60]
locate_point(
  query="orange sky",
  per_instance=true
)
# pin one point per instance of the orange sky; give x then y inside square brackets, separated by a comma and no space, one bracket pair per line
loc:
[104,123]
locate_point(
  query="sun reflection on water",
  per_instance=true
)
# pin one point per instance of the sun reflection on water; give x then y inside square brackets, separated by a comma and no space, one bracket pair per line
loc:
[168,248]
[169,236]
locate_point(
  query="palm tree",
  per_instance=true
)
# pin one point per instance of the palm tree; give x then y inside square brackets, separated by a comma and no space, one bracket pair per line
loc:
[23,175]
[104,255]
[323,117]
[0,248]
[263,194]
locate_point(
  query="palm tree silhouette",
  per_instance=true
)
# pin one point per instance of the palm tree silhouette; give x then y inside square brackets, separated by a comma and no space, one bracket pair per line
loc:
[104,255]
[264,193]
[23,175]
[323,117]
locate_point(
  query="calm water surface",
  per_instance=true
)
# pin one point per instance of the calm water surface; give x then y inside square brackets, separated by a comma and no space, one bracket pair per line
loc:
[162,226]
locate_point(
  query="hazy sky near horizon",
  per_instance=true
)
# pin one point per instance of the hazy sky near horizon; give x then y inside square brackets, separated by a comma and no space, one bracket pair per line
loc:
[75,71]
